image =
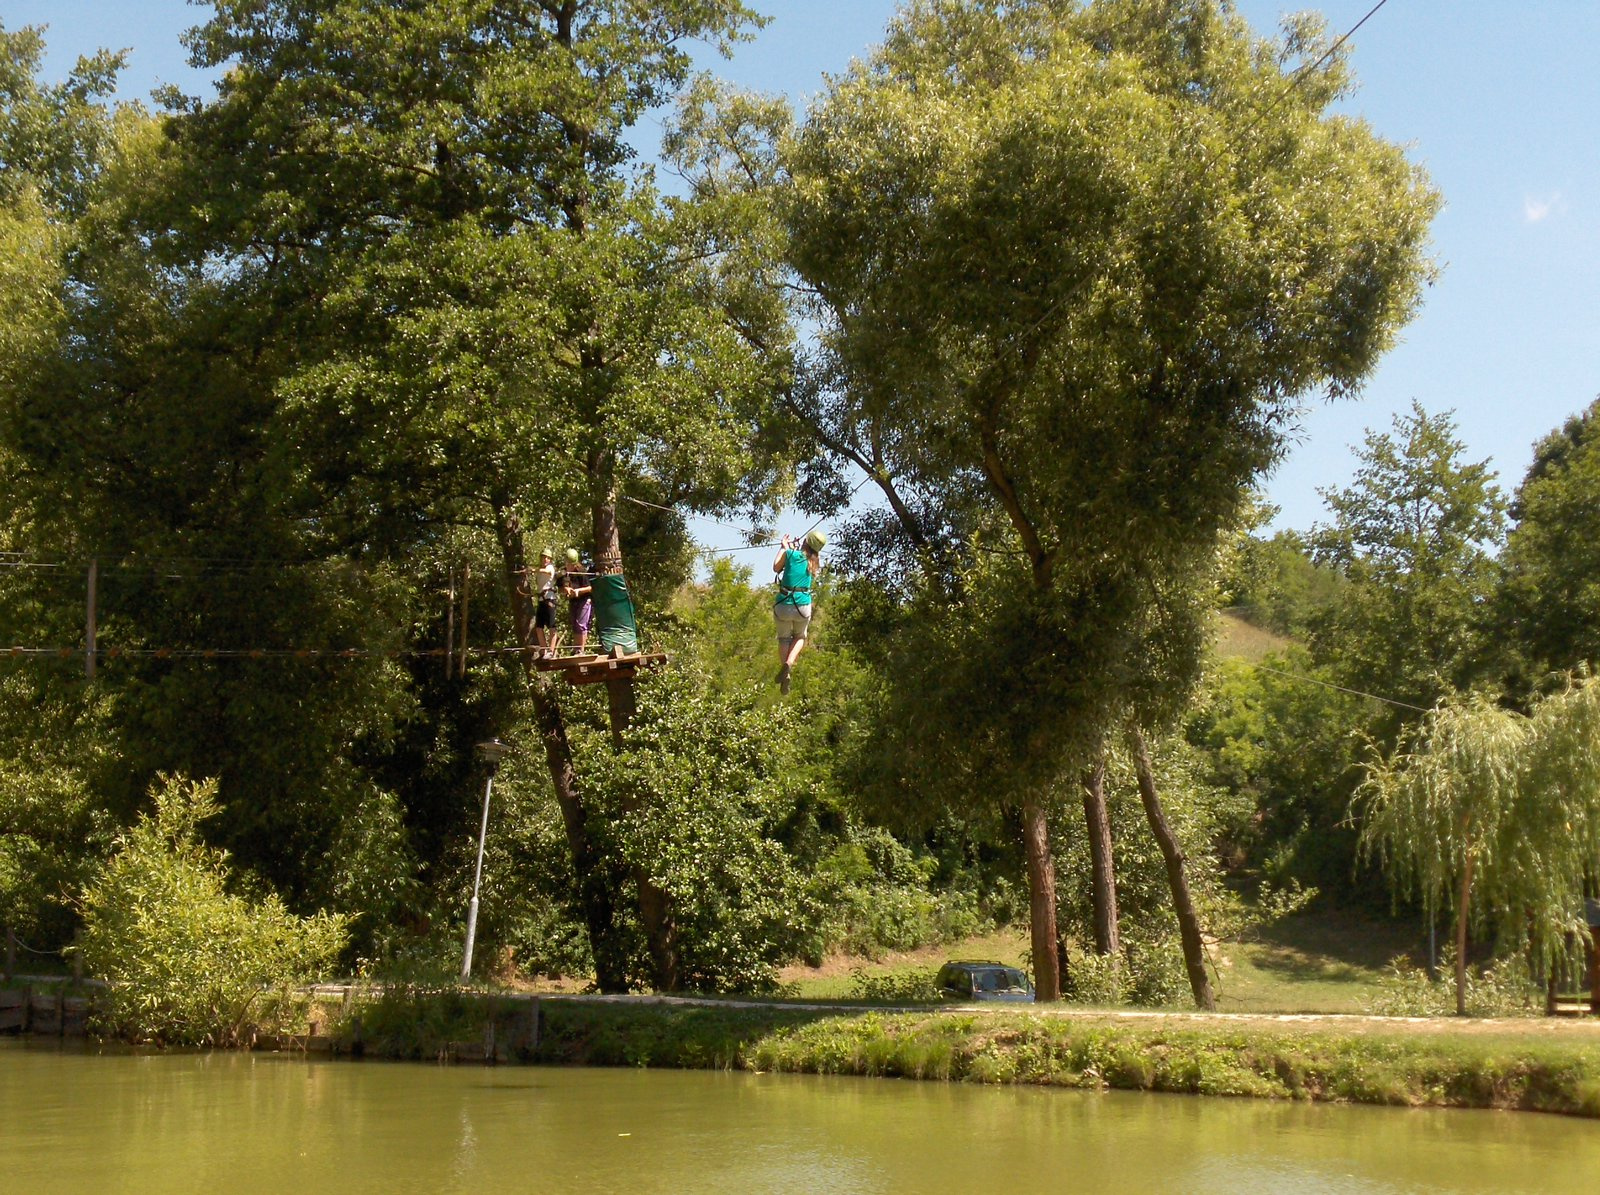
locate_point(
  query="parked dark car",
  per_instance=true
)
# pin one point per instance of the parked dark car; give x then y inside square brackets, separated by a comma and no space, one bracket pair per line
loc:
[983,981]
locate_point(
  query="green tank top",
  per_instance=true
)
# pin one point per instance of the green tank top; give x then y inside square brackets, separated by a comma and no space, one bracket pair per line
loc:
[794,583]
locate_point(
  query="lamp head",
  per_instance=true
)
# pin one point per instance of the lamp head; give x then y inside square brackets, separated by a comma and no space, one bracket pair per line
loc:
[492,751]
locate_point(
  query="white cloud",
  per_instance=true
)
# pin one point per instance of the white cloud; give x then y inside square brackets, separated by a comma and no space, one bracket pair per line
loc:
[1536,208]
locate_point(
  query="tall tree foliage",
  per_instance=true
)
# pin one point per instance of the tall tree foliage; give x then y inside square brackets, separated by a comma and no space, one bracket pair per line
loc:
[1495,815]
[1414,534]
[53,136]
[1548,605]
[1082,263]
[57,771]
[401,281]
[1286,739]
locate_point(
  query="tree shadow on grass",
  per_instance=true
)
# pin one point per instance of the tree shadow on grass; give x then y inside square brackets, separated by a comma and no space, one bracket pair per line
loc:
[1336,942]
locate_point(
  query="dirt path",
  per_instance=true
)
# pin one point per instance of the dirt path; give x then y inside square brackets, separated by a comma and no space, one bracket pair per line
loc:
[1572,1029]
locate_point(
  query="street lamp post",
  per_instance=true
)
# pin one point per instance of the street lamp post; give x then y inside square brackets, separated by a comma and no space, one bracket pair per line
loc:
[491,752]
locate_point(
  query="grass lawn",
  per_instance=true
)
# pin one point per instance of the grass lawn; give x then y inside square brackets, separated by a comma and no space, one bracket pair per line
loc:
[1314,962]
[1311,962]
[835,979]
[1243,640]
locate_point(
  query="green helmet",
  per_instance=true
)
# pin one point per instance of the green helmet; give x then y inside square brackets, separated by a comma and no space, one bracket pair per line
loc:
[815,540]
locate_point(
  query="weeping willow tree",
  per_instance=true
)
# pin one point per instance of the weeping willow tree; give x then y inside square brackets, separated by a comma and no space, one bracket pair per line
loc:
[1494,814]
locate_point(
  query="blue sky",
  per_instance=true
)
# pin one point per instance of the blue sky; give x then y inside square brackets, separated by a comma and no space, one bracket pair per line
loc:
[1499,101]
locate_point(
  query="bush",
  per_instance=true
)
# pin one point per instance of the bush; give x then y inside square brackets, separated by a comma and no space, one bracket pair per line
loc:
[899,987]
[879,898]
[186,959]
[1503,988]
[1149,972]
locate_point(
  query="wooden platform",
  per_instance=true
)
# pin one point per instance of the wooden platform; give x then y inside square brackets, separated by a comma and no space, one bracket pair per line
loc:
[590,667]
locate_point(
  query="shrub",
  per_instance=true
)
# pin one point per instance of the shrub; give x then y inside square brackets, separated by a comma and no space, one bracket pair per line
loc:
[899,987]
[1502,988]
[186,959]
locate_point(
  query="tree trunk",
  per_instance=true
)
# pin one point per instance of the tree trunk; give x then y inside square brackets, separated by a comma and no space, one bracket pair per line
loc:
[1194,955]
[1107,932]
[655,906]
[1463,900]
[1594,971]
[1042,902]
[596,878]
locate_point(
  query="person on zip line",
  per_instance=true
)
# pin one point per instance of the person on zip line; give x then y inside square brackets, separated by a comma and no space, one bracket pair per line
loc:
[797,566]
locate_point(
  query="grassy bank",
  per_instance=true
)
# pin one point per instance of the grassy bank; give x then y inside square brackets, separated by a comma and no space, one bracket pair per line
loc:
[1408,1064]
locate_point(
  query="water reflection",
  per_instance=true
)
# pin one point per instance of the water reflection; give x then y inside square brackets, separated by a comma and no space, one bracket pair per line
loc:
[75,1122]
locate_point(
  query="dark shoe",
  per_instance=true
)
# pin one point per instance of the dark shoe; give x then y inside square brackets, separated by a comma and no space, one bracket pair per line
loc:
[783,680]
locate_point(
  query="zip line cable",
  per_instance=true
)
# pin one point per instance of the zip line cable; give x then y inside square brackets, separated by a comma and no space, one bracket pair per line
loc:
[1305,72]
[272,653]
[1311,680]
[732,527]
[362,653]
[774,543]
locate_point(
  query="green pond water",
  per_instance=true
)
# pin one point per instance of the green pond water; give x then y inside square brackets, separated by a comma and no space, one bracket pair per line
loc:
[232,1124]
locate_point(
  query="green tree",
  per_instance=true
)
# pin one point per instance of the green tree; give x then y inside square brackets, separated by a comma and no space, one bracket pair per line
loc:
[1271,581]
[1415,536]
[1548,605]
[1281,736]
[55,828]
[188,960]
[1495,815]
[696,800]
[1082,262]
[53,137]
[400,288]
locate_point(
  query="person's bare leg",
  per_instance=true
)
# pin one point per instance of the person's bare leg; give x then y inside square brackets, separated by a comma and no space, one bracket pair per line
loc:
[790,650]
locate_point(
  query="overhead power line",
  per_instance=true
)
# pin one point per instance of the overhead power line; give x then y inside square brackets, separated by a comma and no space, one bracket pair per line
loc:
[1311,680]
[1305,72]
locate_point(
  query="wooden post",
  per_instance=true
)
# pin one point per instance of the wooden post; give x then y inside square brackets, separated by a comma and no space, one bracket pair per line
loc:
[89,626]
[1594,971]
[466,590]
[450,627]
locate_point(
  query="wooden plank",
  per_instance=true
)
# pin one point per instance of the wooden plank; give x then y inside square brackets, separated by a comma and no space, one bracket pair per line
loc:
[75,1012]
[600,676]
[44,1013]
[14,1011]
[560,663]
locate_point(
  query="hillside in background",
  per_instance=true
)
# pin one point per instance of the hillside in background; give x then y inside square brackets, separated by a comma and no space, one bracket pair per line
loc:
[1240,639]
